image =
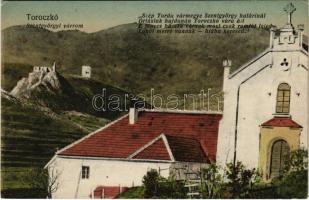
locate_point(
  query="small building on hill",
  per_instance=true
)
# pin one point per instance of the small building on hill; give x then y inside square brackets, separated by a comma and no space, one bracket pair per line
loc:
[86,71]
[120,154]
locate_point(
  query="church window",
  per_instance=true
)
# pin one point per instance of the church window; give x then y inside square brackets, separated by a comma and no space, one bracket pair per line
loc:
[283,98]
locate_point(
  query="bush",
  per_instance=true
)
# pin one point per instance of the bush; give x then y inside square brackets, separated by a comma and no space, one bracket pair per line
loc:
[212,182]
[157,186]
[132,193]
[37,178]
[298,161]
[240,182]
[41,180]
[294,185]
[294,182]
[151,183]
[240,179]
[23,193]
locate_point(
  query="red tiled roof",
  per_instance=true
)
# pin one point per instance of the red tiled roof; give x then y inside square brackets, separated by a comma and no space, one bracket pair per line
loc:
[156,151]
[122,139]
[109,192]
[186,149]
[281,122]
[181,148]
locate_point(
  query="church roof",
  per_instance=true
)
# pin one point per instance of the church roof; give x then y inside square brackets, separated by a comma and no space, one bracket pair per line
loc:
[189,137]
[281,122]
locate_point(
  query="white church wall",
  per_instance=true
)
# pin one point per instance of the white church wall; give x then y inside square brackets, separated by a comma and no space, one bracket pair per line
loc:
[225,147]
[257,106]
[102,172]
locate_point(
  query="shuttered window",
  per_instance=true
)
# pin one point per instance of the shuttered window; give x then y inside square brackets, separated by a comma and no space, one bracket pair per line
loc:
[279,154]
[283,98]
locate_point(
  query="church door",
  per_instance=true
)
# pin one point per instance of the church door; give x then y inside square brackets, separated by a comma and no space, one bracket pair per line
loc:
[279,154]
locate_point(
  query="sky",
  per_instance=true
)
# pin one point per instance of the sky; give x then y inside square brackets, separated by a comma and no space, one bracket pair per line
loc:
[98,15]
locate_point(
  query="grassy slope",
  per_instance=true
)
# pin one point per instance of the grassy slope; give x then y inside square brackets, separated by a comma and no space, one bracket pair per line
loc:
[29,139]
[88,122]
[11,73]
[87,88]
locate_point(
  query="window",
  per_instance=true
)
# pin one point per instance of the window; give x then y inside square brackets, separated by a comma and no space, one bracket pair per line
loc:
[85,172]
[283,98]
[279,155]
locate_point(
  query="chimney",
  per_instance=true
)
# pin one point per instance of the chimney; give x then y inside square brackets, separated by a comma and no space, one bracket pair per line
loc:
[133,115]
[227,68]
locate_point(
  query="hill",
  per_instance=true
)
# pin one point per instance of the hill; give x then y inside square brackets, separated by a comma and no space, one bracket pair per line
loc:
[136,62]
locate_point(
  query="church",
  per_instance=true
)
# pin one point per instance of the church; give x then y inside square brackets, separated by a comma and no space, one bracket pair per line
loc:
[264,118]
[265,103]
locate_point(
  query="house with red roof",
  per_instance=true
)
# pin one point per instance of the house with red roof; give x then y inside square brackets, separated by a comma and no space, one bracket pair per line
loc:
[118,155]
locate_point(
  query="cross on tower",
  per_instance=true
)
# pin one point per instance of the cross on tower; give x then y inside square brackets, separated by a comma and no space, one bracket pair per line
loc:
[289,9]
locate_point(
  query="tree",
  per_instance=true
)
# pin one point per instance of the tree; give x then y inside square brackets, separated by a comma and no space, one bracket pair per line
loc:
[151,182]
[212,182]
[53,182]
[294,182]
[157,186]
[240,179]
[43,179]
[298,161]
[172,188]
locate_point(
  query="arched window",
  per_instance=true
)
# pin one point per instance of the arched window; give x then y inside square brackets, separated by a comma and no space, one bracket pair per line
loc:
[280,152]
[283,98]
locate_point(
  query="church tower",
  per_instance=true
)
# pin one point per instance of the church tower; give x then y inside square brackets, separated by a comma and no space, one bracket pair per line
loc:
[288,37]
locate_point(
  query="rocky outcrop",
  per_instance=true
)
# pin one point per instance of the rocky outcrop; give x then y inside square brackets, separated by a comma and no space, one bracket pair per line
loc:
[46,88]
[8,96]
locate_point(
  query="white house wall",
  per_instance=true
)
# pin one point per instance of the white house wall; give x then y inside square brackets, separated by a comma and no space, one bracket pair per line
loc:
[257,106]
[102,172]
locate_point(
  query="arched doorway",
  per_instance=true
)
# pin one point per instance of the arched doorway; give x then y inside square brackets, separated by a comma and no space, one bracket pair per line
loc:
[280,152]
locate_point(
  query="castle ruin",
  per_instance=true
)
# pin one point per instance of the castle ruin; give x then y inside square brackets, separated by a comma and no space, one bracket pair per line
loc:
[44,68]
